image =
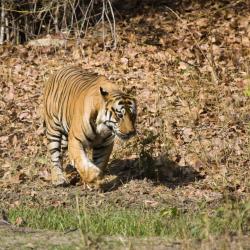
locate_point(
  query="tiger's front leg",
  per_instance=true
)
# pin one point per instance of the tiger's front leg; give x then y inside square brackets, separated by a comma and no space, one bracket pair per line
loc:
[78,157]
[101,155]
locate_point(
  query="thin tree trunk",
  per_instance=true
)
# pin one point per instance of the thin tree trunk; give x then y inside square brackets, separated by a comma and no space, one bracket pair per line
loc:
[2,23]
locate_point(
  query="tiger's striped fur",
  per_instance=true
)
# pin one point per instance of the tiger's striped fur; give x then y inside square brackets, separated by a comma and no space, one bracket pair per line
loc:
[84,110]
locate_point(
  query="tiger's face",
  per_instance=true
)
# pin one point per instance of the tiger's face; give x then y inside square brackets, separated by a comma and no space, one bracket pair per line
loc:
[120,114]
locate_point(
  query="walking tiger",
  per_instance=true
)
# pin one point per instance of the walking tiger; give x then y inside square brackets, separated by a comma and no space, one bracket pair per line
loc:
[84,110]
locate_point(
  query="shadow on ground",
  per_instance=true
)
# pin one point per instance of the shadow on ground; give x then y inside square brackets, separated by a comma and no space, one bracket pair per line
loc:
[160,170]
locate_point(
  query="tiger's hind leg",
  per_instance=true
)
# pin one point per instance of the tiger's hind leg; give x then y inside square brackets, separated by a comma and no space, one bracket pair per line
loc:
[54,145]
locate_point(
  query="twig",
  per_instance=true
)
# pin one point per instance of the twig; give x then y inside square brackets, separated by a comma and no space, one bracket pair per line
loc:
[70,230]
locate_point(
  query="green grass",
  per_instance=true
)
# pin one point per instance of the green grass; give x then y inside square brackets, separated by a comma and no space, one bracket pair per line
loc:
[173,223]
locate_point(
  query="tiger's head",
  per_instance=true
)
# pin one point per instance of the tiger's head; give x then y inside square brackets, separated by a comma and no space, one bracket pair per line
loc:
[120,113]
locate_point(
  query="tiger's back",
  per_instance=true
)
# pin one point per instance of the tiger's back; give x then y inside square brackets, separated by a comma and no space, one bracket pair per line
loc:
[62,91]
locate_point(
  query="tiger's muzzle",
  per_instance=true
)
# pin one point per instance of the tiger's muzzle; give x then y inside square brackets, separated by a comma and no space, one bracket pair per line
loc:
[126,136]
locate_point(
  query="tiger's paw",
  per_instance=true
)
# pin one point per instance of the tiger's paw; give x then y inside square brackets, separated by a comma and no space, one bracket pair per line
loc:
[58,178]
[90,174]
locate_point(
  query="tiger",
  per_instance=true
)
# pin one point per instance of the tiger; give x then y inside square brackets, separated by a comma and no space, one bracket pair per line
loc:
[84,110]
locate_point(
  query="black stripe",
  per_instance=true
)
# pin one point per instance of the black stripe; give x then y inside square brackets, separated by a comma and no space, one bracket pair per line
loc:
[54,150]
[57,124]
[54,136]
[107,138]
[54,140]
[64,133]
[88,139]
[78,139]
[98,161]
[93,127]
[118,95]
[83,129]
[56,161]
[121,103]
[101,147]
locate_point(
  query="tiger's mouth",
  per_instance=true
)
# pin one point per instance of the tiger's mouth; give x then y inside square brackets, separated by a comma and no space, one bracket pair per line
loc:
[125,137]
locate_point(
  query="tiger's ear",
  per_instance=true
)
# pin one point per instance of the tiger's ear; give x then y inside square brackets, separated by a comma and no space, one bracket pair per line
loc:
[130,91]
[104,93]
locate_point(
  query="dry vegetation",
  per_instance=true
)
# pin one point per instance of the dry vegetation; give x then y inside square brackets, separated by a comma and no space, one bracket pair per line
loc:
[189,69]
[23,20]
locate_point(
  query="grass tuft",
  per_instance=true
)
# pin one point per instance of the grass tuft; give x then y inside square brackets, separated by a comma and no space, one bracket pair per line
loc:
[173,223]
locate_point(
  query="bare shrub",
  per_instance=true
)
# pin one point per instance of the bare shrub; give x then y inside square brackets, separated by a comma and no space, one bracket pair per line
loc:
[22,20]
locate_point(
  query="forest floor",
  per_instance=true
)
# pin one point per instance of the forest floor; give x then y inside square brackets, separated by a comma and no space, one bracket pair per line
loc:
[190,73]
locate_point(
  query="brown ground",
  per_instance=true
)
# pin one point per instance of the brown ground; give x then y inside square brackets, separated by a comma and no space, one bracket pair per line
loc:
[189,72]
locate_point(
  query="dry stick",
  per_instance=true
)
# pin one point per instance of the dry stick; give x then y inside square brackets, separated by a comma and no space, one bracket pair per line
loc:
[228,6]
[197,45]
[107,16]
[17,33]
[56,18]
[103,19]
[82,14]
[52,18]
[33,17]
[35,5]
[114,24]
[71,20]
[13,29]
[2,23]
[64,19]
[29,12]
[78,29]
[89,9]
[73,7]
[41,22]
[26,27]
[50,10]
[89,16]
[110,24]
[48,26]
[7,31]
[77,5]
